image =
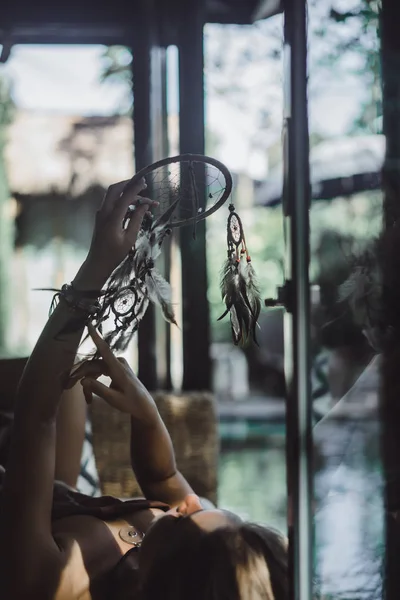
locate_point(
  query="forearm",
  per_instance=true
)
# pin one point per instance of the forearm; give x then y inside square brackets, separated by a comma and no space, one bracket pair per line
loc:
[152,453]
[153,462]
[53,356]
[10,376]
[70,427]
[31,462]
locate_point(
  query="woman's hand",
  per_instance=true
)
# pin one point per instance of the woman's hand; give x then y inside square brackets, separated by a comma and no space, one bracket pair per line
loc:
[126,393]
[111,242]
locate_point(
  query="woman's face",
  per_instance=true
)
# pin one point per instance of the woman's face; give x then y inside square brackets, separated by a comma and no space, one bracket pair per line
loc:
[206,519]
[164,528]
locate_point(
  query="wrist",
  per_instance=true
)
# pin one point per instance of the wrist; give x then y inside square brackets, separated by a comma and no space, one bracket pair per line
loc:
[148,420]
[90,277]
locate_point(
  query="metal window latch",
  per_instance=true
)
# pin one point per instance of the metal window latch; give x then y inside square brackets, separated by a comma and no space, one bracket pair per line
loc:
[284,297]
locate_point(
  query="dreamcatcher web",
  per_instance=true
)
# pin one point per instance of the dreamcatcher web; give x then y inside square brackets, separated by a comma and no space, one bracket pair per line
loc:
[197,188]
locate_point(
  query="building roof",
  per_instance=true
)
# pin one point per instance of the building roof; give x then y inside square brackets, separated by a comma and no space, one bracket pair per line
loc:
[89,21]
[338,167]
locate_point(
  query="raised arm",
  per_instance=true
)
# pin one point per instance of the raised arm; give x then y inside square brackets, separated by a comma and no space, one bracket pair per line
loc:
[152,453]
[28,487]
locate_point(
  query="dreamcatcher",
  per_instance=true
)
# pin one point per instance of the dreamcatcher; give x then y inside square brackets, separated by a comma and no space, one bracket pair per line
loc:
[189,188]
[238,284]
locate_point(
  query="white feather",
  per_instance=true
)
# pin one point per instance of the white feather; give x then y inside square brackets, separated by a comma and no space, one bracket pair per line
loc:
[148,245]
[159,291]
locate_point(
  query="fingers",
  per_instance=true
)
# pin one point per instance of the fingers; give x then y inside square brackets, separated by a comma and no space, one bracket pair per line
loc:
[130,195]
[135,223]
[114,193]
[89,368]
[92,386]
[115,369]
[87,392]
[111,196]
[129,199]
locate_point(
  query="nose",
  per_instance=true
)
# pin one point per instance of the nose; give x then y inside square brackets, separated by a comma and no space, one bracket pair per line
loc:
[190,505]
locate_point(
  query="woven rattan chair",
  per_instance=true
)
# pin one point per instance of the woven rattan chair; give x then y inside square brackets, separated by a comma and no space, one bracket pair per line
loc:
[192,423]
[190,418]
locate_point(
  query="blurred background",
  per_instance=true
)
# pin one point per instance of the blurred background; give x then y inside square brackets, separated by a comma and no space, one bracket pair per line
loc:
[66,134]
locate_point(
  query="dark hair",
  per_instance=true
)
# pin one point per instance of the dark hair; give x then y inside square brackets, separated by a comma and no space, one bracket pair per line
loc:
[230,563]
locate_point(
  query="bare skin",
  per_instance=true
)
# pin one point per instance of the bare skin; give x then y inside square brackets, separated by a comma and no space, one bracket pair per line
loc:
[70,559]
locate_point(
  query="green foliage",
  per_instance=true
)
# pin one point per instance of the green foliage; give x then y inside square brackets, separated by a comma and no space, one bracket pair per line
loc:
[117,68]
[351,42]
[117,61]
[7,109]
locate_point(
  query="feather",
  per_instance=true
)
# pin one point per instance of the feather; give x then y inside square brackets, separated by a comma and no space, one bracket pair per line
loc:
[251,294]
[243,305]
[121,275]
[148,249]
[229,283]
[252,289]
[143,252]
[164,219]
[159,292]
[235,326]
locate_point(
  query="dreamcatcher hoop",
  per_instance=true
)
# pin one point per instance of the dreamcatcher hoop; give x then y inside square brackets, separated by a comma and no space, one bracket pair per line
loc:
[189,158]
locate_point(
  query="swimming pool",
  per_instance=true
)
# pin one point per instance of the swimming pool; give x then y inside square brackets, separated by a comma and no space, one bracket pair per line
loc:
[349,523]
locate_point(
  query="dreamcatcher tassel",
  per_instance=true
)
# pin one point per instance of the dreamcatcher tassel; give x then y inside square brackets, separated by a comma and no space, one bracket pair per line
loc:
[239,288]
[148,249]
[133,285]
[229,284]
[159,292]
[142,306]
[233,291]
[251,293]
[120,277]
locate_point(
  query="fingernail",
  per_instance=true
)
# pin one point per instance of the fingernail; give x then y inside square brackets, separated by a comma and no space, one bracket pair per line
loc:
[155,203]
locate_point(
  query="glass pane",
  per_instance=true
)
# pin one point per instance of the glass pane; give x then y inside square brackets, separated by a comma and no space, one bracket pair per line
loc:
[346,155]
[69,138]
[243,130]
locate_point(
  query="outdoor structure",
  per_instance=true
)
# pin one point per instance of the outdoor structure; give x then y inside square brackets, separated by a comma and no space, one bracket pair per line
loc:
[149,28]
[338,167]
